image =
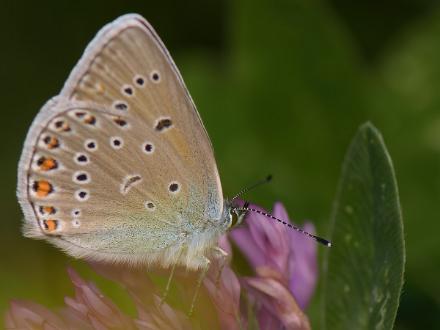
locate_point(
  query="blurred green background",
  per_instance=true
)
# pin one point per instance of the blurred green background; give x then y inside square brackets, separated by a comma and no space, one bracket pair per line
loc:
[281,85]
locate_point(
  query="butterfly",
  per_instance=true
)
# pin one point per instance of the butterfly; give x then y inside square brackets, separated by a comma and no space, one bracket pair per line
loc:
[118,167]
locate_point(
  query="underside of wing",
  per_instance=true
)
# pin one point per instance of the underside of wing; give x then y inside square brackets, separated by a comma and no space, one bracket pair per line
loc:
[120,161]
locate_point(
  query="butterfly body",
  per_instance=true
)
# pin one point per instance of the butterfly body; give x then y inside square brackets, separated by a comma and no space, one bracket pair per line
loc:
[119,167]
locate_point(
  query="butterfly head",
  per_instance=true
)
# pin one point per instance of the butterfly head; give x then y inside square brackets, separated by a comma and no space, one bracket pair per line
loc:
[234,215]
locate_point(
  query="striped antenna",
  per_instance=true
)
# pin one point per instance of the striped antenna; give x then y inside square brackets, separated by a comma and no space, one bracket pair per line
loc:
[267,215]
[255,185]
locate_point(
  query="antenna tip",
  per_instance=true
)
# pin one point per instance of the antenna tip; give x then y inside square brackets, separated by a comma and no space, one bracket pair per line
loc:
[269,178]
[323,241]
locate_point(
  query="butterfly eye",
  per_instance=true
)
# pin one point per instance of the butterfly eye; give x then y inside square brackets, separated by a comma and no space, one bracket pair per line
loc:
[234,218]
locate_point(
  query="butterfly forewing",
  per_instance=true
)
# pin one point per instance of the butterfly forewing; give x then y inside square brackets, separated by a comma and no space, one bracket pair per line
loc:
[120,163]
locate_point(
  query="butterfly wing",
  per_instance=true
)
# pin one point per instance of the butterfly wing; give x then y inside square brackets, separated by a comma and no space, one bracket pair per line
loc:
[119,165]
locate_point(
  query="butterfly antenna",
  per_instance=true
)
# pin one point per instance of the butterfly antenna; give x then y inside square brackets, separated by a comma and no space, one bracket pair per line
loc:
[267,215]
[255,185]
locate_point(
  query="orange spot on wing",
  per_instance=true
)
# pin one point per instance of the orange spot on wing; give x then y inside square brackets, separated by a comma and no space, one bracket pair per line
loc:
[66,127]
[50,224]
[47,164]
[49,209]
[53,143]
[119,121]
[90,120]
[42,188]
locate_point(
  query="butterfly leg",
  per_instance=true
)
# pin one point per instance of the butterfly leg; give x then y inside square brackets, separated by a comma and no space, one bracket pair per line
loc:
[222,256]
[205,262]
[167,288]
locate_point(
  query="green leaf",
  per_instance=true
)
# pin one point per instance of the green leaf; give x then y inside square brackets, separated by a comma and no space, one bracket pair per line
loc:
[364,268]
